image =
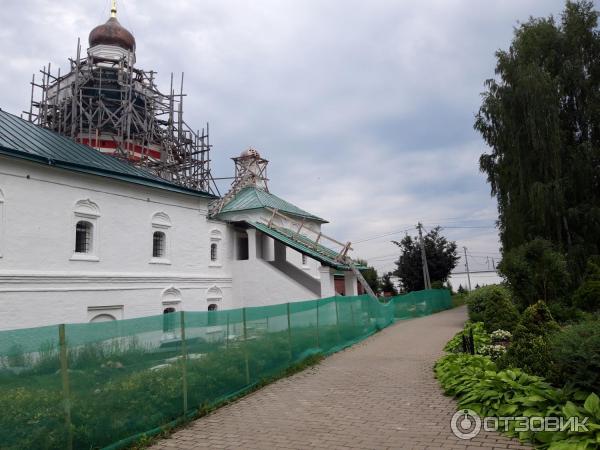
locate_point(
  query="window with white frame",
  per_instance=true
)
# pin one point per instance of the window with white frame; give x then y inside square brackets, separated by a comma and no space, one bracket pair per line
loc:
[85,228]
[161,227]
[212,315]
[84,237]
[169,320]
[215,242]
[214,295]
[158,244]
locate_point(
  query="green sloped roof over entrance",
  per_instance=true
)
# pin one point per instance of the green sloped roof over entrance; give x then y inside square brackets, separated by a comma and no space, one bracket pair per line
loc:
[24,140]
[302,244]
[254,198]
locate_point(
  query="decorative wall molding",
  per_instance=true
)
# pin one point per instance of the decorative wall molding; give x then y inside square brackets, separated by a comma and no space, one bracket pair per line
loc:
[171,295]
[86,208]
[214,294]
[161,220]
[66,282]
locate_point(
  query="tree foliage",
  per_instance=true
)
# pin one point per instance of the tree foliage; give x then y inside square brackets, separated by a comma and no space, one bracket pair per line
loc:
[587,296]
[370,275]
[541,118]
[535,271]
[387,286]
[441,259]
[530,348]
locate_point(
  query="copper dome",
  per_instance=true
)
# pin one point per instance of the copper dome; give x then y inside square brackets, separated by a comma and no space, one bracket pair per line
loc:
[112,33]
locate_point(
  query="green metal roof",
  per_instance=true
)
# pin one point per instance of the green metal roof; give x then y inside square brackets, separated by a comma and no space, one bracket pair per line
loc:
[305,246]
[254,198]
[22,139]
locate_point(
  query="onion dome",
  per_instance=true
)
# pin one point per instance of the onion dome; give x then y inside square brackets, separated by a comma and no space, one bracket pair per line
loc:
[112,33]
[250,152]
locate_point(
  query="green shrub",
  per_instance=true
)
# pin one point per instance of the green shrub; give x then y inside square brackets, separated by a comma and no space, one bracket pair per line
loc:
[476,300]
[535,271]
[530,348]
[575,354]
[478,384]
[499,312]
[459,299]
[587,296]
[32,418]
[480,338]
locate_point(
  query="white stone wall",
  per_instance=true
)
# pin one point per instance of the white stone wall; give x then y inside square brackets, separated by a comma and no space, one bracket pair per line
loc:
[257,283]
[43,282]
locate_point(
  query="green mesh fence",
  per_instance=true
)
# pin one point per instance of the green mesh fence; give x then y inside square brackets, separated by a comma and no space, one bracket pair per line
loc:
[95,385]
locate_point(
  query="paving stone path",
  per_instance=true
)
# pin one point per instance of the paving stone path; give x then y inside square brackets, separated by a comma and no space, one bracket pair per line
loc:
[379,394]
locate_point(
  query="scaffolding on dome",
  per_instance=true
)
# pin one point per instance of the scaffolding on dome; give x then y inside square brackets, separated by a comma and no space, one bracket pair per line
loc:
[108,104]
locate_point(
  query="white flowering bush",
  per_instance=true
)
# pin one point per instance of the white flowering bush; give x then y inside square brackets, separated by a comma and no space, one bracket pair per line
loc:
[501,335]
[494,351]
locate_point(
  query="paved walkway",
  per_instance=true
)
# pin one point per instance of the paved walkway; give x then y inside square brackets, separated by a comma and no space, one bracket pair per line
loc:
[378,394]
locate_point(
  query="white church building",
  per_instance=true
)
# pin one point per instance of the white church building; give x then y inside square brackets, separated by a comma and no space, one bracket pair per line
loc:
[87,236]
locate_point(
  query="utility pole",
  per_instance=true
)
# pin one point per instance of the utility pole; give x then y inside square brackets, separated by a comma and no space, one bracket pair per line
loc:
[493,264]
[467,266]
[426,280]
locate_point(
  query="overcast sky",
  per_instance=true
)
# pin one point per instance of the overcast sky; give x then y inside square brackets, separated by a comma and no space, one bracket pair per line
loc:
[364,108]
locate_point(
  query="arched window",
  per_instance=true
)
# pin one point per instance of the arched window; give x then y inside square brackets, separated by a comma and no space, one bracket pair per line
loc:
[168,319]
[215,239]
[84,232]
[86,223]
[212,315]
[158,244]
[161,249]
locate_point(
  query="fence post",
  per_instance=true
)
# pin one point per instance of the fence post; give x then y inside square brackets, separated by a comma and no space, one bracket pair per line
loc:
[64,374]
[337,320]
[289,332]
[246,348]
[471,341]
[318,337]
[184,363]
[227,335]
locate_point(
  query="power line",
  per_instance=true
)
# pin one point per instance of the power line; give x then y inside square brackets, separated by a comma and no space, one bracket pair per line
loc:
[391,233]
[381,235]
[466,227]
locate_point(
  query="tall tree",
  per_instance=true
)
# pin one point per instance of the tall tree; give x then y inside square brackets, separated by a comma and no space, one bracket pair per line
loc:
[541,118]
[387,285]
[441,259]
